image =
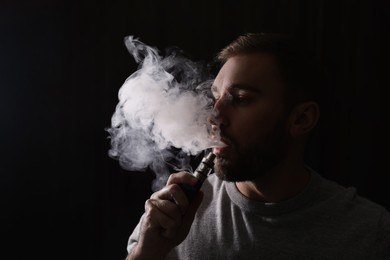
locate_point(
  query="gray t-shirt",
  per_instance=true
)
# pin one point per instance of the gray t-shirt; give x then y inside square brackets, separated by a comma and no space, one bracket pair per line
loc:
[325,221]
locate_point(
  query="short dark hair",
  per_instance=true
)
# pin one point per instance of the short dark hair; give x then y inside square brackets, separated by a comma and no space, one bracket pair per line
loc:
[302,73]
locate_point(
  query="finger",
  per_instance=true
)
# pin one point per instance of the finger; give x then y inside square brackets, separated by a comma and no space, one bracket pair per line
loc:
[164,215]
[175,194]
[182,177]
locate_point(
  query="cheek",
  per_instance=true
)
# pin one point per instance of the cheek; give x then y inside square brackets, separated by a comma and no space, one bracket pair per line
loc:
[257,121]
[254,128]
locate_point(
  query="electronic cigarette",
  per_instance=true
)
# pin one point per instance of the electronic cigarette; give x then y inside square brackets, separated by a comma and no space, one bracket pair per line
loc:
[202,171]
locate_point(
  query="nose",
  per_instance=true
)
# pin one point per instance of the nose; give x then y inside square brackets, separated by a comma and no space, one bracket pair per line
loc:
[214,120]
[218,117]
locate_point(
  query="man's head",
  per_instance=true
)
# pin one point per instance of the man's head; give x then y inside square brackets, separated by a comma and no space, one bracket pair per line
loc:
[265,105]
[298,68]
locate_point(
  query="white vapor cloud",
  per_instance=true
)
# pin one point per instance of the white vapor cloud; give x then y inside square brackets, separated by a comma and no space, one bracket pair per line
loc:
[163,107]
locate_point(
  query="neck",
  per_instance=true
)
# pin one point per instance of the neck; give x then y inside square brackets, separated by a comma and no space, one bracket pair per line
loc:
[282,183]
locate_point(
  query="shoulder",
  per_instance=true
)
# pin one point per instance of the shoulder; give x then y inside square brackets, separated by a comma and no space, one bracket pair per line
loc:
[375,221]
[371,212]
[348,200]
[356,212]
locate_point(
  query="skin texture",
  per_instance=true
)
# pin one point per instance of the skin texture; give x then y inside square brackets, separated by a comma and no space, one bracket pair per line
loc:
[250,115]
[167,220]
[264,142]
[263,154]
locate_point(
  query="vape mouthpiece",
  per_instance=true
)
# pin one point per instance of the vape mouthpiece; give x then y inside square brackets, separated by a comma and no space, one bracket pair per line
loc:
[202,171]
[205,167]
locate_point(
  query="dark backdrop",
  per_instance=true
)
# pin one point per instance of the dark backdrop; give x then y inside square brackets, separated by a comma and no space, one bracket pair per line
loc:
[63,62]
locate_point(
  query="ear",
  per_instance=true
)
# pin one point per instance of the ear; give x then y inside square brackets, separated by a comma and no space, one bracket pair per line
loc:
[304,118]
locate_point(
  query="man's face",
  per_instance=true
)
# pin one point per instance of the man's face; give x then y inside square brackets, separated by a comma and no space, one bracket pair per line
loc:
[249,113]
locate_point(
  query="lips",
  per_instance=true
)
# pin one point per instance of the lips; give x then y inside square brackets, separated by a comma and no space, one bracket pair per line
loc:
[215,138]
[220,144]
[222,147]
[218,151]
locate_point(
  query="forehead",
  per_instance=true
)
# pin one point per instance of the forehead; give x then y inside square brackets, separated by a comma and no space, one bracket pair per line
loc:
[256,70]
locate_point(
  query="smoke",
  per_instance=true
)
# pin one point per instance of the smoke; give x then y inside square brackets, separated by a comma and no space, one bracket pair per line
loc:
[161,117]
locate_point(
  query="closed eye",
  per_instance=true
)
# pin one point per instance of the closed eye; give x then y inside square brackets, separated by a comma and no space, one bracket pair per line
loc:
[235,94]
[241,97]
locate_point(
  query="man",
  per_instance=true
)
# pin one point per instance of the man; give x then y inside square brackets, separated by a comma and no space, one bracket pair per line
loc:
[263,202]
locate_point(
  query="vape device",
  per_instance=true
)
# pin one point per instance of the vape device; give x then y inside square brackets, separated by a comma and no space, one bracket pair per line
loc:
[202,171]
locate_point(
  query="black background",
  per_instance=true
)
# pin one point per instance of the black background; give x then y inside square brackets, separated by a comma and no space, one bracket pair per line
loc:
[63,62]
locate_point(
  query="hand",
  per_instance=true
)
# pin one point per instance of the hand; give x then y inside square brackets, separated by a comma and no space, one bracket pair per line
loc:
[167,219]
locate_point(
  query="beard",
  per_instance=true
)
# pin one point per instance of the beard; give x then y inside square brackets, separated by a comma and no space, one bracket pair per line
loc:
[253,163]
